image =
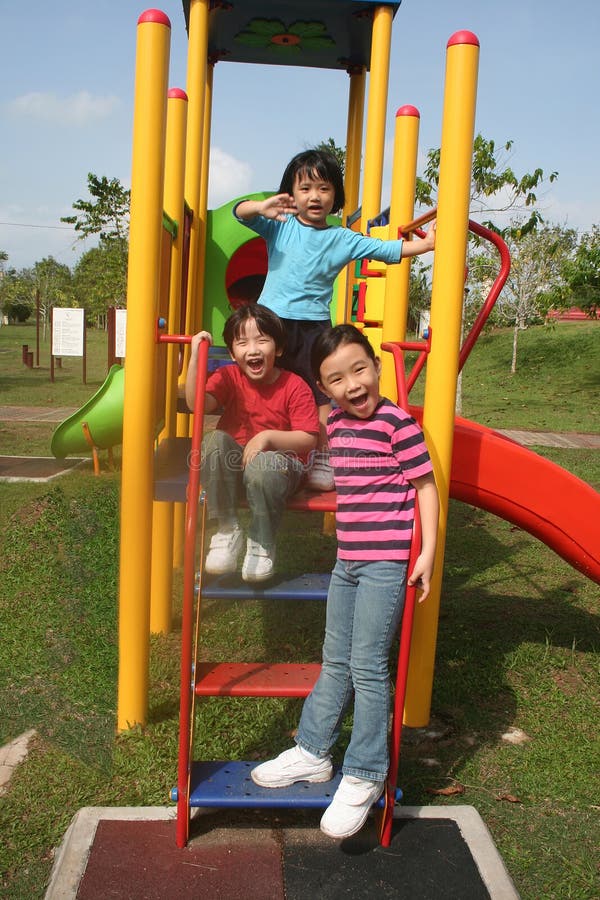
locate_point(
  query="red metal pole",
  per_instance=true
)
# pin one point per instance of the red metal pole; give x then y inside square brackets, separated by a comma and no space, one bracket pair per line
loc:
[189,577]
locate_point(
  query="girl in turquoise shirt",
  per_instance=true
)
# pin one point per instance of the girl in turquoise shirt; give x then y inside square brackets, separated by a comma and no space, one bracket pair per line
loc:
[306,255]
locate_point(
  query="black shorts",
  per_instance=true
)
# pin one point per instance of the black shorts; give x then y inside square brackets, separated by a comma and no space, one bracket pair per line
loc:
[301,335]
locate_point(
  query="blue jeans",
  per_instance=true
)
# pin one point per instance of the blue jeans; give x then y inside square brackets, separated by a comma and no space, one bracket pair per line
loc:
[364,607]
[267,481]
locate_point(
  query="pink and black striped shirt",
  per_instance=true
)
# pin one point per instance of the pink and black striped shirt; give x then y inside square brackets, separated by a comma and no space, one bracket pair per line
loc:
[373,461]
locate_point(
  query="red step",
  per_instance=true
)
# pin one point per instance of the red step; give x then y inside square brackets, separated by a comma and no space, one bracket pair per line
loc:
[256,679]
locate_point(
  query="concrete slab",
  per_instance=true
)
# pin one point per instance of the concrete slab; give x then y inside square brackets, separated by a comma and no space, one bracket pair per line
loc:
[131,852]
[11,755]
[37,468]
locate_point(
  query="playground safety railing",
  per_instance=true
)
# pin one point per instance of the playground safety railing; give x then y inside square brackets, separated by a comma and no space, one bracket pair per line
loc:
[500,280]
[189,580]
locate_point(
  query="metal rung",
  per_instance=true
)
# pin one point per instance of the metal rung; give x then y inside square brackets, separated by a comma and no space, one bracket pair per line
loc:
[228,784]
[303,587]
[256,679]
[223,784]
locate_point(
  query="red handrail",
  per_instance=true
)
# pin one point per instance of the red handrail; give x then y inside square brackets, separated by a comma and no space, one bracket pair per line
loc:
[189,577]
[499,282]
[400,694]
[495,289]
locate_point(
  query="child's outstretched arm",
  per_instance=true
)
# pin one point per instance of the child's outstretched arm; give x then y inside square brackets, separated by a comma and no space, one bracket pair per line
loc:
[424,245]
[429,509]
[279,206]
[210,402]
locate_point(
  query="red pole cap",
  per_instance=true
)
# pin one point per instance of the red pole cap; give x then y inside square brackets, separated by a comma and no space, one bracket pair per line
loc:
[408,110]
[176,94]
[154,15]
[463,37]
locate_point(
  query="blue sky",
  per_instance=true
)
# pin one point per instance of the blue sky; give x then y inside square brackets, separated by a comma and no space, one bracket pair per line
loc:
[67,84]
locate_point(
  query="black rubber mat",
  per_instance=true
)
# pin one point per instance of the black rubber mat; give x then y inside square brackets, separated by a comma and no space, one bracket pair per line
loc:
[428,859]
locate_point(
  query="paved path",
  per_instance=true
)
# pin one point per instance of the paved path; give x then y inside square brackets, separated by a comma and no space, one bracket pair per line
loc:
[568,440]
[35,413]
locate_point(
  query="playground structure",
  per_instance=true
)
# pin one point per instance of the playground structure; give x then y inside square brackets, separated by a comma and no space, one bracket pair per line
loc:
[168,278]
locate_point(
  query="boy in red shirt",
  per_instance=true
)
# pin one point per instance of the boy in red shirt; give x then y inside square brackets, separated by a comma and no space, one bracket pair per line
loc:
[268,426]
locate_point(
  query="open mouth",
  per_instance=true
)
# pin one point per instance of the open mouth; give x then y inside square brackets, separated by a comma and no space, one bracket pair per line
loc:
[255,365]
[359,402]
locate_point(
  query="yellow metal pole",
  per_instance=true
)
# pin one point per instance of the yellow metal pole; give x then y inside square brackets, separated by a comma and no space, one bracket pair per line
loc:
[174,206]
[196,91]
[356,103]
[458,127]
[149,125]
[354,133]
[178,528]
[162,513]
[397,278]
[376,112]
[203,206]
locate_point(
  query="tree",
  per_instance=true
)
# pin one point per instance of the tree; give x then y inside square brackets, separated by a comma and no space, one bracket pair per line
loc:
[101,274]
[107,215]
[582,273]
[17,294]
[536,275]
[54,282]
[339,153]
[100,277]
[419,292]
[494,186]
[495,189]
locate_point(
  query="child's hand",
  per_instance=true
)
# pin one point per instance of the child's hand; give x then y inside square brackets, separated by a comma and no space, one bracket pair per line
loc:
[201,336]
[419,245]
[429,239]
[278,207]
[255,445]
[421,578]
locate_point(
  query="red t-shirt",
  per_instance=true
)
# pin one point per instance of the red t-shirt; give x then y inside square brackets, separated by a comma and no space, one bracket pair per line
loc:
[251,407]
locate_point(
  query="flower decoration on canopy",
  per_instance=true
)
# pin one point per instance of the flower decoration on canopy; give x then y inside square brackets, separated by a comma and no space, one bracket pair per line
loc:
[274,35]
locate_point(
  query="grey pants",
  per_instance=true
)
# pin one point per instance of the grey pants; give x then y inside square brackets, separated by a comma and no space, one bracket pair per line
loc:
[267,482]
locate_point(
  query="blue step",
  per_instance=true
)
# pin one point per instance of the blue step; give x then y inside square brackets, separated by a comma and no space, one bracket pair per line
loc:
[302,587]
[222,784]
[228,784]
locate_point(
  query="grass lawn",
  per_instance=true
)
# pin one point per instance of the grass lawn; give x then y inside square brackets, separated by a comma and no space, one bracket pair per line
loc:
[517,646]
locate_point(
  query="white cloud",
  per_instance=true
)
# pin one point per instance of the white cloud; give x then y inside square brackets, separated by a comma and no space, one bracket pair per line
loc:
[78,109]
[229,177]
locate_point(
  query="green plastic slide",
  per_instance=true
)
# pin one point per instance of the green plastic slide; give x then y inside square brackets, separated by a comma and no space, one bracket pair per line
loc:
[103,414]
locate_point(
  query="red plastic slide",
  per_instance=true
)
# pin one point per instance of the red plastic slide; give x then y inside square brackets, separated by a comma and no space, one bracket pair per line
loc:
[494,473]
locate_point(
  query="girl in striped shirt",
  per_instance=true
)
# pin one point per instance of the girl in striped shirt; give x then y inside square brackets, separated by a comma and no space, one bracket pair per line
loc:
[380,463]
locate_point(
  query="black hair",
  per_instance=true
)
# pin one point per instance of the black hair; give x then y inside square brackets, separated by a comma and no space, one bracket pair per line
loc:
[267,323]
[329,341]
[315,164]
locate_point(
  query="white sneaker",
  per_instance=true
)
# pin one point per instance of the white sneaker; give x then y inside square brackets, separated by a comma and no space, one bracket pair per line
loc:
[320,474]
[259,563]
[350,806]
[224,551]
[291,766]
